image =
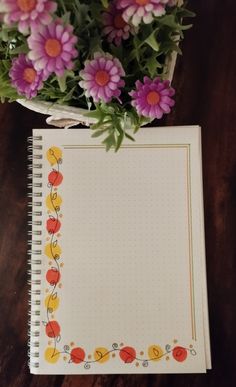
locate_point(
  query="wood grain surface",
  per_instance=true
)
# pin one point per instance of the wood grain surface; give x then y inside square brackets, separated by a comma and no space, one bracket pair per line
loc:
[205,80]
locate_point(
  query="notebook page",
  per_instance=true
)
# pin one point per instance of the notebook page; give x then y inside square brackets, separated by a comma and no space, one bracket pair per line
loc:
[123,283]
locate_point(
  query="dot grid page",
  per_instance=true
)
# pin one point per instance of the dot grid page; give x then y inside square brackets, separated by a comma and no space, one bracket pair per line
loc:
[130,294]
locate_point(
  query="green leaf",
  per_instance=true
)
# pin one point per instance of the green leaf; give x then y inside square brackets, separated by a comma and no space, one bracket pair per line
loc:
[169,20]
[152,42]
[183,12]
[66,17]
[23,49]
[129,137]
[105,3]
[62,82]
[7,92]
[169,47]
[98,133]
[152,66]
[119,141]
[94,114]
[109,141]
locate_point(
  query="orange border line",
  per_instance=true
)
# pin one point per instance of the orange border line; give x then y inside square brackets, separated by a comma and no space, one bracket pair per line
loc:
[189,200]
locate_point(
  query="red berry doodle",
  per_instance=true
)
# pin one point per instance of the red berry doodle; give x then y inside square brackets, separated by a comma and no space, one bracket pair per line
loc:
[55,178]
[53,329]
[127,354]
[53,276]
[53,225]
[77,355]
[179,354]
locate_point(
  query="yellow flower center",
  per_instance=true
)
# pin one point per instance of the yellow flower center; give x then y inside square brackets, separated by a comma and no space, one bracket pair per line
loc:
[102,77]
[153,98]
[29,74]
[142,2]
[119,22]
[26,5]
[53,47]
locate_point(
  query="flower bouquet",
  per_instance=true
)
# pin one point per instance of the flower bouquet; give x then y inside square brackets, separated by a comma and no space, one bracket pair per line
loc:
[104,63]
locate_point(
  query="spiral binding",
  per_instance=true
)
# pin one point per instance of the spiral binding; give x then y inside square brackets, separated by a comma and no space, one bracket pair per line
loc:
[35,242]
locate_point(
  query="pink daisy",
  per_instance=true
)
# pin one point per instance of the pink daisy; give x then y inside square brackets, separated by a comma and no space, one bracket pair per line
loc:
[101,77]
[29,13]
[135,11]
[116,28]
[52,48]
[152,98]
[25,78]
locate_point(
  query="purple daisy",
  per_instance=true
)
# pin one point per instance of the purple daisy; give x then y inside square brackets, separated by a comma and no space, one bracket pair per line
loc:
[52,48]
[25,78]
[101,77]
[135,11]
[29,13]
[115,27]
[152,98]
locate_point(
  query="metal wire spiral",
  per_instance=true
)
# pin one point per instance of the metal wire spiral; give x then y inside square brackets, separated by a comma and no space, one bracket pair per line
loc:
[34,242]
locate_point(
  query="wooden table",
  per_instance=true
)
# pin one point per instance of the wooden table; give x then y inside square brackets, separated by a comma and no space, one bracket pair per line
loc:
[205,80]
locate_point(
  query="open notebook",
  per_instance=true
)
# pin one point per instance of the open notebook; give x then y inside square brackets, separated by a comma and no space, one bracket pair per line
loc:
[118,279]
